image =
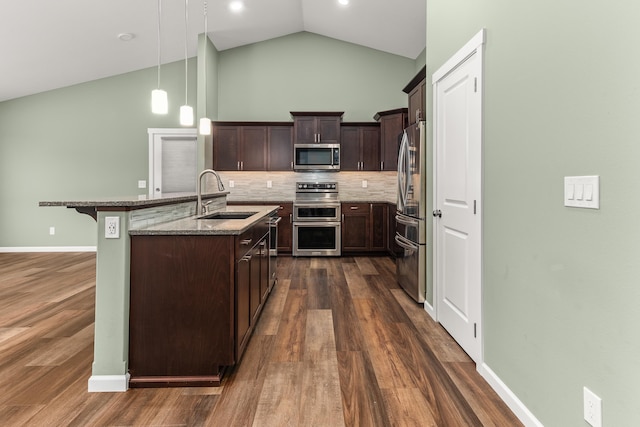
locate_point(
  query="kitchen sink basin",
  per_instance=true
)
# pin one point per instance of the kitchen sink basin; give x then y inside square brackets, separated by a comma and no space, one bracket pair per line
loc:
[227,215]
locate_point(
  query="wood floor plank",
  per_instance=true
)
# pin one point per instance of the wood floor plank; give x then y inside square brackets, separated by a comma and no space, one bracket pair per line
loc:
[290,338]
[408,407]
[270,317]
[279,402]
[319,342]
[320,400]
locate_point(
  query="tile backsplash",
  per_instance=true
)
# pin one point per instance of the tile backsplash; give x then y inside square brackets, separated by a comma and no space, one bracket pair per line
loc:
[252,186]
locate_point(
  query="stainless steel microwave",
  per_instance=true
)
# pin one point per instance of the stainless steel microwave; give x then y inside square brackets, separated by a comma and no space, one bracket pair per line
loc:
[313,157]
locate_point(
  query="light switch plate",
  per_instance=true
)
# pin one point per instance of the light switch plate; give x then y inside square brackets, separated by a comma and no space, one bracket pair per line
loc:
[582,191]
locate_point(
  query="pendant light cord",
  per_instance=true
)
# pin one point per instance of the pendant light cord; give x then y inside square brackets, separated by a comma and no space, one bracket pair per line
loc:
[159,57]
[186,67]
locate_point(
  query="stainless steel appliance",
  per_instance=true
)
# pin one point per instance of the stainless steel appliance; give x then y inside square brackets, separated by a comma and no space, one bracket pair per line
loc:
[274,219]
[316,219]
[310,157]
[411,215]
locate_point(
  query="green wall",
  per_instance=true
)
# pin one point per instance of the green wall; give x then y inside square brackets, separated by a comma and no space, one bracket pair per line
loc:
[561,285]
[80,142]
[308,72]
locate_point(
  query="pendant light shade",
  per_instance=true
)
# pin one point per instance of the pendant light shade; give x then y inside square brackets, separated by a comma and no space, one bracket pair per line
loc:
[204,126]
[186,115]
[159,102]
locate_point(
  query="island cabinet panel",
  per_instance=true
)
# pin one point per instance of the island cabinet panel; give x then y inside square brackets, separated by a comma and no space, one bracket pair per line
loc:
[194,302]
[182,309]
[379,212]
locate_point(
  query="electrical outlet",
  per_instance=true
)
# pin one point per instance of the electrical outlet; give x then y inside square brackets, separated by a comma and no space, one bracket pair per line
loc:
[365,184]
[232,183]
[269,184]
[52,231]
[142,184]
[111,227]
[592,408]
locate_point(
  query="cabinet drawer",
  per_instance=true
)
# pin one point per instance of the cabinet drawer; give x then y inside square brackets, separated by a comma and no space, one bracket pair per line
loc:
[355,208]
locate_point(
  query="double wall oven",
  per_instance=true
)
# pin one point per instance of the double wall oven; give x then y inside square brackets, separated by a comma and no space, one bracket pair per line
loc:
[316,219]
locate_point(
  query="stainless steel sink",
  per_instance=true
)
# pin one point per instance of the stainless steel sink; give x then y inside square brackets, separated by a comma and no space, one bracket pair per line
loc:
[227,215]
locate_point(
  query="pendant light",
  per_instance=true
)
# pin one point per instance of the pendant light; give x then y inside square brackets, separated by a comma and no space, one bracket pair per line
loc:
[159,102]
[186,111]
[204,125]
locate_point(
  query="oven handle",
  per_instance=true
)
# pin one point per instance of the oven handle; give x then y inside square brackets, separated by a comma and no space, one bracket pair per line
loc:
[316,223]
[275,221]
[406,243]
[407,221]
[317,205]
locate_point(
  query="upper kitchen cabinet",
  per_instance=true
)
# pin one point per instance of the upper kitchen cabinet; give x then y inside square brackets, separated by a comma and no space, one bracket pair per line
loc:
[416,89]
[280,147]
[360,147]
[239,147]
[316,127]
[392,124]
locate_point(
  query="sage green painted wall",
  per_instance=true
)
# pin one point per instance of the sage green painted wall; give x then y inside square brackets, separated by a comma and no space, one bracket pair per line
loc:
[421,60]
[207,96]
[308,72]
[561,285]
[84,141]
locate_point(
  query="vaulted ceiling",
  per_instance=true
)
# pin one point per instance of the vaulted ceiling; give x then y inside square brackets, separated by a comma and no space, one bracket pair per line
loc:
[47,44]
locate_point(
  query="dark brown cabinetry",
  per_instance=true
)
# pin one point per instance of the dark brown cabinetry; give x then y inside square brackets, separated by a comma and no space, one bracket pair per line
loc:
[416,89]
[239,147]
[194,301]
[360,147]
[285,226]
[392,125]
[316,127]
[364,227]
[252,146]
[280,148]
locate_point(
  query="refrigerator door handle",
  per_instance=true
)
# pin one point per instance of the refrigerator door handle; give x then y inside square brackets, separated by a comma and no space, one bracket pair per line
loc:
[406,220]
[402,173]
[406,244]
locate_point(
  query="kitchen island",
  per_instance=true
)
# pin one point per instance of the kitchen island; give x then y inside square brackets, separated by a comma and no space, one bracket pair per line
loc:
[171,217]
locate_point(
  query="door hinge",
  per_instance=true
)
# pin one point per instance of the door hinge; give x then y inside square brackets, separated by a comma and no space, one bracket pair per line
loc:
[474,207]
[475,84]
[475,330]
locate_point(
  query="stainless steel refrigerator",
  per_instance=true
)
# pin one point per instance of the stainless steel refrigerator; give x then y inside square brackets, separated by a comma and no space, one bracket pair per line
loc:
[411,233]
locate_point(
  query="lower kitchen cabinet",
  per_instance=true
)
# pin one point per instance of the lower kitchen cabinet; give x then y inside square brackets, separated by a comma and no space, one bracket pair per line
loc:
[364,227]
[194,301]
[285,226]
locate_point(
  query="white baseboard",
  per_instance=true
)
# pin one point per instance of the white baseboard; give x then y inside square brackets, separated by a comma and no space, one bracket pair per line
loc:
[47,249]
[522,412]
[108,383]
[430,310]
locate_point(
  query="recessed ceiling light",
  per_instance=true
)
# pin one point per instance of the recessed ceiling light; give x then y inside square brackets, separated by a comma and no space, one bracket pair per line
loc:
[236,6]
[343,2]
[126,37]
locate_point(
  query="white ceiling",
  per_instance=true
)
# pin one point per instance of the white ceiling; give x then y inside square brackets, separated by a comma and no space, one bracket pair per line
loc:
[47,44]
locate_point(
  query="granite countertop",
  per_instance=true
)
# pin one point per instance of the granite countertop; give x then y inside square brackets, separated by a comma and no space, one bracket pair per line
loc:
[191,226]
[135,202]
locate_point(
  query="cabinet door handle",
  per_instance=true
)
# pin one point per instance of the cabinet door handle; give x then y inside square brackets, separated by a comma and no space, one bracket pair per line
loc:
[281,207]
[246,242]
[290,217]
[381,166]
[245,258]
[238,167]
[353,208]
[241,166]
[291,165]
[342,217]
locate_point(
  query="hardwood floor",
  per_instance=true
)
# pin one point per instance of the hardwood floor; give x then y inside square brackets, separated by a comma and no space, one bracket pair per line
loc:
[338,344]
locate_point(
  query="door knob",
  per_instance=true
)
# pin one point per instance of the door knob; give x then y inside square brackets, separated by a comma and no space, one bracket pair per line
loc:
[437,213]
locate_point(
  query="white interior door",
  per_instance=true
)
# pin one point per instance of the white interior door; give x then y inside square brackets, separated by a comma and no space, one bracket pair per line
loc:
[173,161]
[458,186]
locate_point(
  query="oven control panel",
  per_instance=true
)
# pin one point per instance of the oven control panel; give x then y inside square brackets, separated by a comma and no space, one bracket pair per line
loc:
[317,186]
